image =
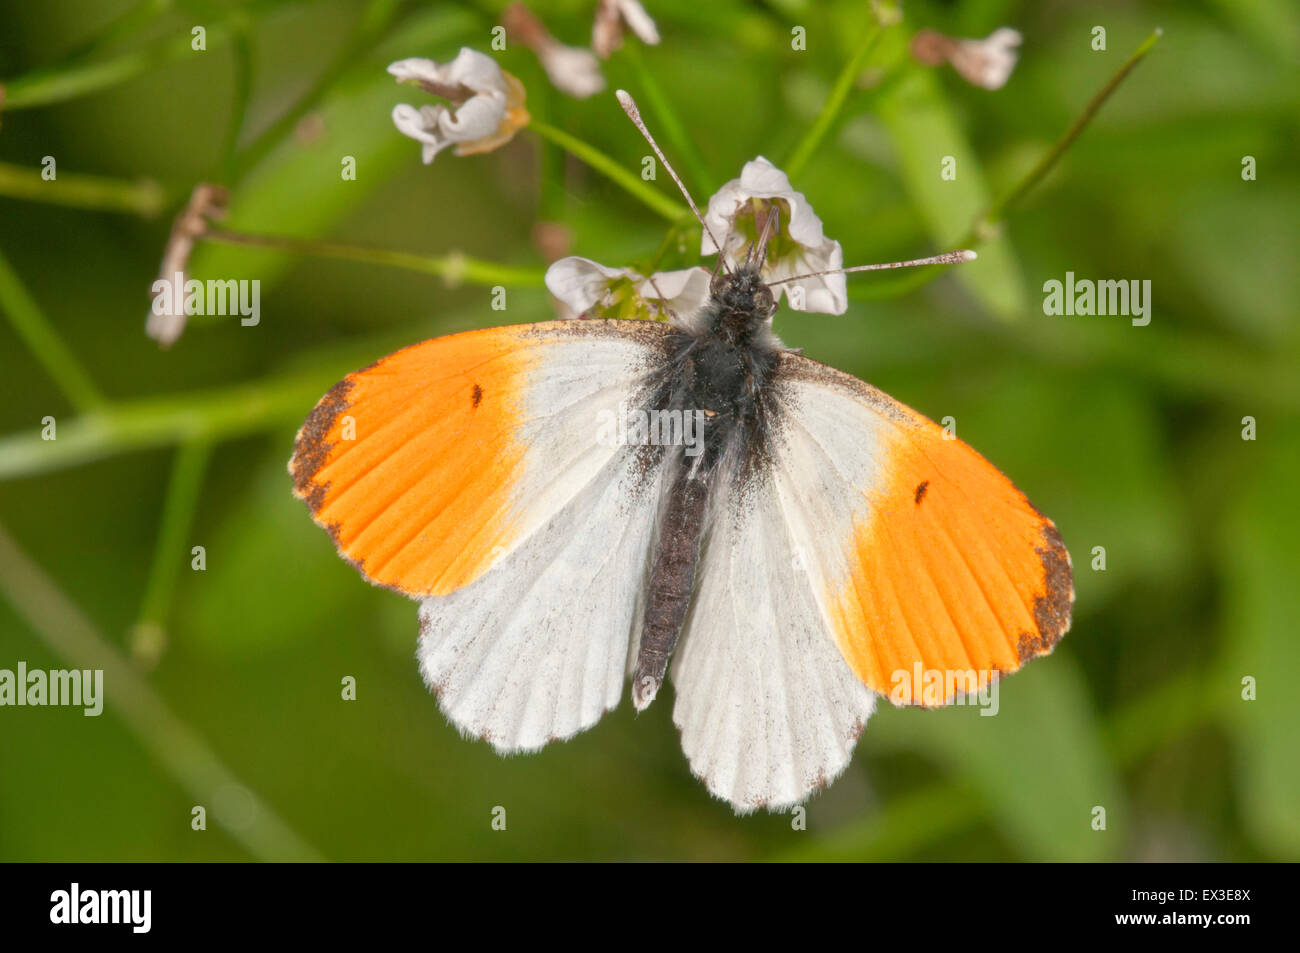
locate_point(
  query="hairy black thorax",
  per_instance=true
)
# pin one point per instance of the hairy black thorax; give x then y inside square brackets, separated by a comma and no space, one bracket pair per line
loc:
[722,361]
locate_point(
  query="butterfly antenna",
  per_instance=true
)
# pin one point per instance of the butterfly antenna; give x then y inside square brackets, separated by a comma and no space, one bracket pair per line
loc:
[722,258]
[629,106]
[947,258]
[771,226]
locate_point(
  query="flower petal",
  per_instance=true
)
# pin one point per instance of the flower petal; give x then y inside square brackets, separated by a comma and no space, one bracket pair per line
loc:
[477,71]
[478,118]
[612,17]
[638,21]
[487,104]
[684,291]
[801,247]
[762,180]
[416,69]
[573,70]
[581,283]
[988,62]
[422,125]
[824,294]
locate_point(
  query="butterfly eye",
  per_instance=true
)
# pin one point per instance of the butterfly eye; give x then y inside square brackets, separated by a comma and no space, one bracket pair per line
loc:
[764,302]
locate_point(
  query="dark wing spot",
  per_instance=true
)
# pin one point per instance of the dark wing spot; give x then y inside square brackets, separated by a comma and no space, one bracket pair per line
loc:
[1030,646]
[920,491]
[311,449]
[476,396]
[1052,609]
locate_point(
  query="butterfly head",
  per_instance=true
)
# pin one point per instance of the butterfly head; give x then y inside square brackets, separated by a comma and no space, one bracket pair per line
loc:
[742,298]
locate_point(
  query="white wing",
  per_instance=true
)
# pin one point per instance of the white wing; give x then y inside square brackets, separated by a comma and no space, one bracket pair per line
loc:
[768,709]
[865,544]
[535,650]
[482,473]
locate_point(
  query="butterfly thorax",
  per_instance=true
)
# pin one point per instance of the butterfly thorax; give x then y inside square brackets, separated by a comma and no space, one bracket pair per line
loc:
[723,358]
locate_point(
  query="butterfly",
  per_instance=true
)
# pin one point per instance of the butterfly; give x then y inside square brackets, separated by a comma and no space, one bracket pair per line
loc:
[782,540]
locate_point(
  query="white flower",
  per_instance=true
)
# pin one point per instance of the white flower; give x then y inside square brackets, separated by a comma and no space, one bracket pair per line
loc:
[800,247]
[987,63]
[797,247]
[684,291]
[611,18]
[571,69]
[589,288]
[582,283]
[487,104]
[574,70]
[167,315]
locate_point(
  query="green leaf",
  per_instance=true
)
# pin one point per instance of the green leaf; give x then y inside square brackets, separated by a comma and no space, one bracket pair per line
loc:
[1038,763]
[1259,625]
[266,554]
[924,130]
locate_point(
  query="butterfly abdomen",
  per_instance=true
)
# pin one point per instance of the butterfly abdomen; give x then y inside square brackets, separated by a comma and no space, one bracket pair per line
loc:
[672,579]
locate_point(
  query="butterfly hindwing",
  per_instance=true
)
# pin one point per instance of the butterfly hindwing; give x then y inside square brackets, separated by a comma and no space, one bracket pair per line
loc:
[537,649]
[767,708]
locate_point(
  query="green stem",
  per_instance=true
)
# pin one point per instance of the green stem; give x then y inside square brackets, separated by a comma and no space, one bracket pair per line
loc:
[613,170]
[1017,192]
[133,20]
[171,551]
[455,268]
[242,50]
[178,748]
[49,86]
[552,197]
[70,80]
[39,335]
[670,239]
[62,83]
[835,101]
[90,192]
[158,421]
[212,415]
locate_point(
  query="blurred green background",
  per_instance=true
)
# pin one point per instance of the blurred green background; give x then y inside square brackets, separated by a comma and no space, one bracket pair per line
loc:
[1130,438]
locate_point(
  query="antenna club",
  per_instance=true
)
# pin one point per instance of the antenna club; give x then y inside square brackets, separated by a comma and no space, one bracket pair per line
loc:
[629,106]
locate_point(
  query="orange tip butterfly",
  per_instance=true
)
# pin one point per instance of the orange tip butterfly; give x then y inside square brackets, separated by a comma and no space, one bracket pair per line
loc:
[580,503]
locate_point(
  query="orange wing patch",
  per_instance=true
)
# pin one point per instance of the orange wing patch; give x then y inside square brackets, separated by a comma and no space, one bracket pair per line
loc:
[409,463]
[954,576]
